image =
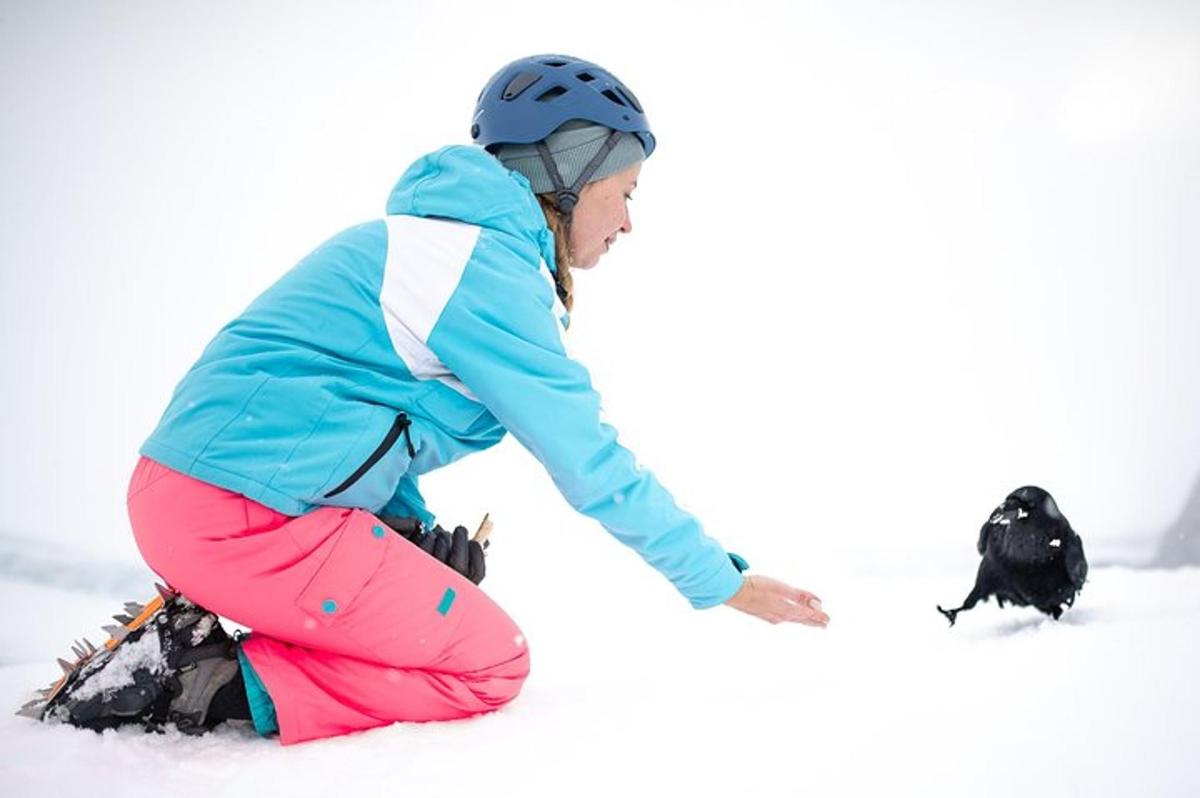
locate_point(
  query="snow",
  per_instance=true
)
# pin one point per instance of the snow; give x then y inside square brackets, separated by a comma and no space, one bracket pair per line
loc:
[116,670]
[934,188]
[651,697]
[201,629]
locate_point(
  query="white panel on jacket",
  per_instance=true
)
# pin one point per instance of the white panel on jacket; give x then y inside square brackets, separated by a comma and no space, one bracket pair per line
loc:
[425,262]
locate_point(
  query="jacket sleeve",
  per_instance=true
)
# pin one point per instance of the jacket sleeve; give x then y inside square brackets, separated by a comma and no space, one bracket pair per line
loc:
[408,502]
[499,335]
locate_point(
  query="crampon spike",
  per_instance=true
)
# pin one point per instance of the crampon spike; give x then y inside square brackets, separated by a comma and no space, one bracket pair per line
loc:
[136,615]
[33,710]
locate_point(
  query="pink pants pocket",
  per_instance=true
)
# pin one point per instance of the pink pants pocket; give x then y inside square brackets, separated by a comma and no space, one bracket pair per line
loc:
[351,555]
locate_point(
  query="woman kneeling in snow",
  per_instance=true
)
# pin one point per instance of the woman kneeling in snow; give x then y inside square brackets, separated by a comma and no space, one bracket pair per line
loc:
[290,452]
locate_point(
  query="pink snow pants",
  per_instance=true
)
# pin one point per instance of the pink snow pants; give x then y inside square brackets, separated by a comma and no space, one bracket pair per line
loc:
[353,626]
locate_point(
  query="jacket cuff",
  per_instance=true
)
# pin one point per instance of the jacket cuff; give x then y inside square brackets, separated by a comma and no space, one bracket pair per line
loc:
[720,589]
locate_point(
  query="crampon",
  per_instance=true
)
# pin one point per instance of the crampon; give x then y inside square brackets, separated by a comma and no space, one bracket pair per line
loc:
[163,663]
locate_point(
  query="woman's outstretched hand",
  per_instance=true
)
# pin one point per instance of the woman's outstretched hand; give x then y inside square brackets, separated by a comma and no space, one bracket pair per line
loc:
[776,602]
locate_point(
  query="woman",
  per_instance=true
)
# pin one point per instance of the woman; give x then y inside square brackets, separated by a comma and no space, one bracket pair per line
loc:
[292,449]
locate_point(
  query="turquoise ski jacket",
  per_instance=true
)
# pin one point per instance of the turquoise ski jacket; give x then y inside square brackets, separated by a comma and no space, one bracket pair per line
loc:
[401,345]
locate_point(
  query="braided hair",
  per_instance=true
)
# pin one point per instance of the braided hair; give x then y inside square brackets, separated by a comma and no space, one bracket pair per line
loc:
[560,225]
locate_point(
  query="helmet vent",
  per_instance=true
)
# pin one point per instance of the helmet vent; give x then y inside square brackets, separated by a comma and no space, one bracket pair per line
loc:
[551,93]
[612,95]
[519,84]
[554,63]
[586,77]
[628,95]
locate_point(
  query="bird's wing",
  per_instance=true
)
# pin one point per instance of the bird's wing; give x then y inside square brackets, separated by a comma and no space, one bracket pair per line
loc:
[1076,563]
[984,531]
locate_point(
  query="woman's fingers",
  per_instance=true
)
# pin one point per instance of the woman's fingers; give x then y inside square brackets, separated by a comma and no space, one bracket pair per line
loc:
[804,597]
[801,606]
[802,613]
[777,602]
[812,618]
[808,611]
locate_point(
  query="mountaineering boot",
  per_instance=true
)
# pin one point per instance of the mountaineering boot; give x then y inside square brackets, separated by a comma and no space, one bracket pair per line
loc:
[200,675]
[168,662]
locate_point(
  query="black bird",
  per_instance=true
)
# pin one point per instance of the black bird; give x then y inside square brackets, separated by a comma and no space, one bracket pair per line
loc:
[1031,556]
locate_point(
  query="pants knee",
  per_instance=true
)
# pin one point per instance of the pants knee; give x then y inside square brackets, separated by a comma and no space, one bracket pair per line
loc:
[499,684]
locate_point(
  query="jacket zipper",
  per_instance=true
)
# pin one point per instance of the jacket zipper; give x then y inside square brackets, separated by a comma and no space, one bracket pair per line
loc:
[401,424]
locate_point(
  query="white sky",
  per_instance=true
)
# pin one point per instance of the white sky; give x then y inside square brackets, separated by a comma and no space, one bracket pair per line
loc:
[889,262]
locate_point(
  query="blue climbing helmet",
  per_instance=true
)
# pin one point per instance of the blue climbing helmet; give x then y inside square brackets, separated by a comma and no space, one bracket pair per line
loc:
[531,97]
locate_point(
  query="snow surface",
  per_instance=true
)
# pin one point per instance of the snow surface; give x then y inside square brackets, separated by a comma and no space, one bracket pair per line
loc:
[944,190]
[653,698]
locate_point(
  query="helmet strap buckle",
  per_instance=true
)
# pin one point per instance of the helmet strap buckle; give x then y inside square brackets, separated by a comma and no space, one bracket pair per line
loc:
[565,199]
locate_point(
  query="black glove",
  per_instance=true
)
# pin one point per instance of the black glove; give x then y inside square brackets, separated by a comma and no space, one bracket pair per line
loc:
[454,550]
[408,528]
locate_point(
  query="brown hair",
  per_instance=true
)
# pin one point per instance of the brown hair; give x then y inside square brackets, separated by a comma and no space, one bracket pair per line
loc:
[560,226]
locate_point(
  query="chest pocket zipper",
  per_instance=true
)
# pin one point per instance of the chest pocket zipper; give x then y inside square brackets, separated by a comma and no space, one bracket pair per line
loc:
[401,425]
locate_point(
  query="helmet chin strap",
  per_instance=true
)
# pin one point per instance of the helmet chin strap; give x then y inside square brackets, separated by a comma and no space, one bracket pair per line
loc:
[566,198]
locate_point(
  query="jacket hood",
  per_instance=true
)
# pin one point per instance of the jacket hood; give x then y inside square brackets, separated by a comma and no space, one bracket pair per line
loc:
[466,183]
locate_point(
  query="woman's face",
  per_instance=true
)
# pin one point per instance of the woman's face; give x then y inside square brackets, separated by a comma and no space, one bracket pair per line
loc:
[601,213]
